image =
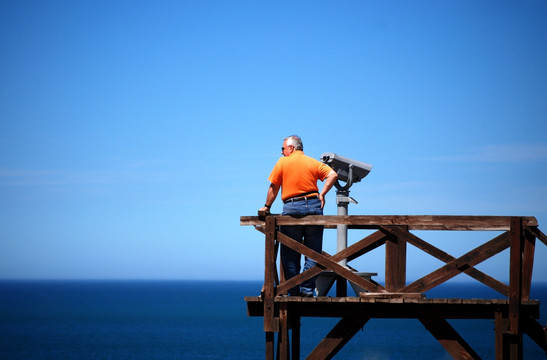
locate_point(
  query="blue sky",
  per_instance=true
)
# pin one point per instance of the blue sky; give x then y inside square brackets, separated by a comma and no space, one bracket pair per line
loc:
[134,134]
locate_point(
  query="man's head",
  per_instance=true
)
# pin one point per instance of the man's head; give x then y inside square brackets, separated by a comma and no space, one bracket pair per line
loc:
[290,144]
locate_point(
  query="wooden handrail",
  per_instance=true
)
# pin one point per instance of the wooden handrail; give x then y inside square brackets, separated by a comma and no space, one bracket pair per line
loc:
[414,222]
[394,232]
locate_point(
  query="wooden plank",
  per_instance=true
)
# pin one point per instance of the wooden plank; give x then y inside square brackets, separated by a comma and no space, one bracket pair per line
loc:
[409,308]
[414,222]
[449,338]
[447,258]
[460,264]
[391,295]
[326,300]
[335,340]
[251,221]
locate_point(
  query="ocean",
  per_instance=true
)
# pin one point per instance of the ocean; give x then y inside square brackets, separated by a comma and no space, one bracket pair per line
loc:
[167,320]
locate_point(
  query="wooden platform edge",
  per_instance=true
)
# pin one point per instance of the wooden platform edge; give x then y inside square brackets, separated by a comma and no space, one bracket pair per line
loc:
[399,307]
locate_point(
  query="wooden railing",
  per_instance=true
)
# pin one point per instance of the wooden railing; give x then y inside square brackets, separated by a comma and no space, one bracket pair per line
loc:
[518,234]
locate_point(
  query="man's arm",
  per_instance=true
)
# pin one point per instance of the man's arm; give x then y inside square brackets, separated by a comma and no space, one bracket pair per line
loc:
[270,197]
[331,178]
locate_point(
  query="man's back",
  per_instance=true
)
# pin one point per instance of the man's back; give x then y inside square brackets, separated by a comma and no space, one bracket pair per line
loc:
[298,174]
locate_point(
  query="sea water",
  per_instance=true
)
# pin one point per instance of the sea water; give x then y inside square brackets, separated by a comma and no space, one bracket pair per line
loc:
[200,320]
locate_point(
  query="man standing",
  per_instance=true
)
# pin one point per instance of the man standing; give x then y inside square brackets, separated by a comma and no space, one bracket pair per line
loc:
[297,174]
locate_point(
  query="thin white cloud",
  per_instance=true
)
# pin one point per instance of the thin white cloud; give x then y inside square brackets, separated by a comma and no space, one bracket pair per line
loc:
[515,152]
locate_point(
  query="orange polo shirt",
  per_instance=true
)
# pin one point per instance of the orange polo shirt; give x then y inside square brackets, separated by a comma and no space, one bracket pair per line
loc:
[298,174]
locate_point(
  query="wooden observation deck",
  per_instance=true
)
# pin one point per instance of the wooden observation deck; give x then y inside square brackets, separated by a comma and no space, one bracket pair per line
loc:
[514,315]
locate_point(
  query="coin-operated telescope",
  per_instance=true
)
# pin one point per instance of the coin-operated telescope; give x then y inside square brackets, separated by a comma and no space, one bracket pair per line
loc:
[349,171]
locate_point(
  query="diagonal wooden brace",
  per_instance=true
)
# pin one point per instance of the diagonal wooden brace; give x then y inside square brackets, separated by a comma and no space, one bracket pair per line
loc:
[327,263]
[460,264]
[370,242]
[447,258]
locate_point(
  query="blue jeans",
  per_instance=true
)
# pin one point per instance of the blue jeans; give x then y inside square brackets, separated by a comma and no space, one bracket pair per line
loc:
[309,235]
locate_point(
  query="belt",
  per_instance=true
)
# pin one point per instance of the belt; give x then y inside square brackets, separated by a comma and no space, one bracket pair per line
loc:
[300,198]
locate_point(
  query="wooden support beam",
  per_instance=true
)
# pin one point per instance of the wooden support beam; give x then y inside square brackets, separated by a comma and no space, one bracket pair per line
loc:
[369,243]
[271,324]
[514,336]
[515,274]
[283,336]
[402,306]
[270,349]
[395,262]
[327,263]
[447,258]
[536,332]
[513,344]
[537,233]
[460,264]
[335,340]
[527,263]
[449,338]
[363,246]
[501,326]
[295,349]
[508,346]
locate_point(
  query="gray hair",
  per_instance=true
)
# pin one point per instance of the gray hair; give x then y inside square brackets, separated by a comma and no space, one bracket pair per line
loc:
[295,141]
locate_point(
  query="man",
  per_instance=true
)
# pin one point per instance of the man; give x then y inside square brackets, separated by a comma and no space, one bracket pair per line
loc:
[297,174]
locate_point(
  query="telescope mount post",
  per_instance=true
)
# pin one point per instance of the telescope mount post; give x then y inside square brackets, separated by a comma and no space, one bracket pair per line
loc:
[342,202]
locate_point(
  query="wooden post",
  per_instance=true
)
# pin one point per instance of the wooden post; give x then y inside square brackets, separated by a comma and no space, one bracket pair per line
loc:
[528,263]
[514,337]
[395,263]
[270,340]
[271,323]
[295,325]
[499,331]
[283,336]
[341,287]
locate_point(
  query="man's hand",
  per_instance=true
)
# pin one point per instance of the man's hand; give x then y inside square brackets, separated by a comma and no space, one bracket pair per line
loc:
[323,201]
[263,211]
[329,182]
